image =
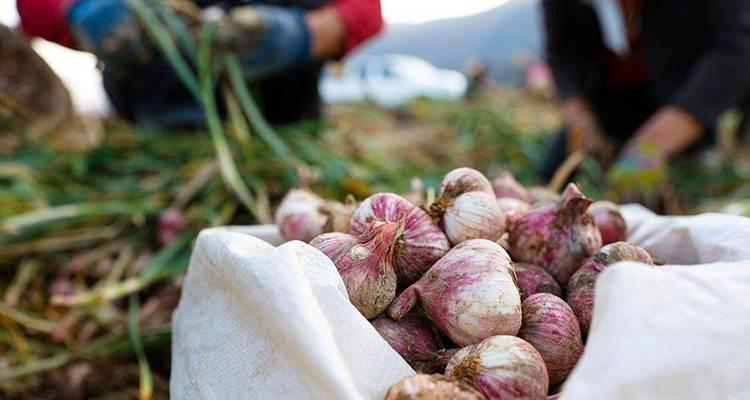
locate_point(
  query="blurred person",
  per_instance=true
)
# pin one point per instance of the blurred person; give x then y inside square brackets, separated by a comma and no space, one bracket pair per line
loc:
[281,44]
[644,81]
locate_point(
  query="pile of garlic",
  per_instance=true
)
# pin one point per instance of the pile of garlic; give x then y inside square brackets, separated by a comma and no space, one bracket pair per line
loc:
[472,285]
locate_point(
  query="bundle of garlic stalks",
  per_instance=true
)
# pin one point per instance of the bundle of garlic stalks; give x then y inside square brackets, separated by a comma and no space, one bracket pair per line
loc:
[488,283]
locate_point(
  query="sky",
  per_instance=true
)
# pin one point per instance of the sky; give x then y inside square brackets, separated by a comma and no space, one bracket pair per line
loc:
[417,11]
[394,11]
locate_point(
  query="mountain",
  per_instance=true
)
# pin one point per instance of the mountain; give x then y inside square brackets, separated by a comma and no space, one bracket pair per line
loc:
[500,37]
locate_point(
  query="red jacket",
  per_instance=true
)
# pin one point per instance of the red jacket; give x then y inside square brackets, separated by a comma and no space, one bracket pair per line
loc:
[46,19]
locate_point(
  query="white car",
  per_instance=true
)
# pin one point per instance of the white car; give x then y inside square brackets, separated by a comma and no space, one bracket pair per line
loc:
[391,81]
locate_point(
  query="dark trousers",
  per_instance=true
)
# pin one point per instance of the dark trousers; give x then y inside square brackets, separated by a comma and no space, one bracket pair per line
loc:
[620,111]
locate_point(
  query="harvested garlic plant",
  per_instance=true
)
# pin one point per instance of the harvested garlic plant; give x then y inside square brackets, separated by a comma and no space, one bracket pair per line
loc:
[502,368]
[557,237]
[469,294]
[580,294]
[421,244]
[551,327]
[365,263]
[432,387]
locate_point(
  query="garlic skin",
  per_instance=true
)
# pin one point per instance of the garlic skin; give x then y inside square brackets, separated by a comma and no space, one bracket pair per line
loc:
[365,263]
[609,220]
[511,206]
[415,339]
[557,237]
[539,195]
[506,186]
[422,242]
[432,387]
[473,215]
[501,368]
[464,180]
[534,279]
[580,293]
[551,327]
[469,294]
[299,216]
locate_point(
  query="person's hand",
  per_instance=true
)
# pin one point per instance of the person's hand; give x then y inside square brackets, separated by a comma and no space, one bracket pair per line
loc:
[641,169]
[269,39]
[108,29]
[638,174]
[584,132]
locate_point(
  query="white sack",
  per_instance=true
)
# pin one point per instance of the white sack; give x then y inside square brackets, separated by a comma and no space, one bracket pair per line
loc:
[699,239]
[672,332]
[258,322]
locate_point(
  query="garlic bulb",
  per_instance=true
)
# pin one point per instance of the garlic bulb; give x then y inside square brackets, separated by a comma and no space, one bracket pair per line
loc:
[299,216]
[473,215]
[534,279]
[580,294]
[510,206]
[557,237]
[506,186]
[551,327]
[502,368]
[467,207]
[539,195]
[338,215]
[365,263]
[416,340]
[469,294]
[609,220]
[420,246]
[171,223]
[432,387]
[464,180]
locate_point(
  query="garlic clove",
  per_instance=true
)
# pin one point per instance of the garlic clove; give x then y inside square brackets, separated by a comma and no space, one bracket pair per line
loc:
[432,387]
[551,327]
[469,294]
[501,368]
